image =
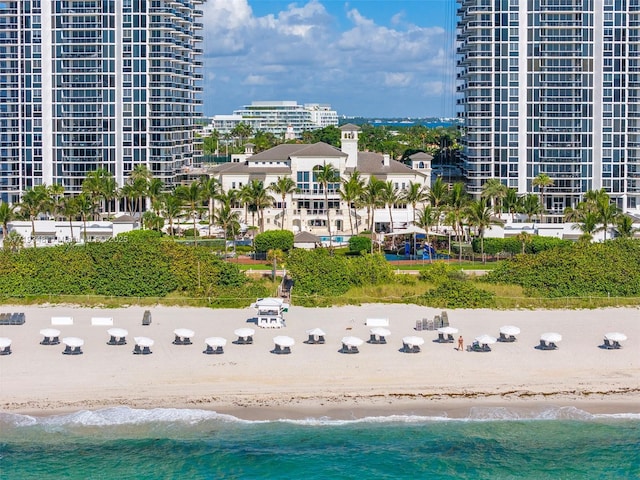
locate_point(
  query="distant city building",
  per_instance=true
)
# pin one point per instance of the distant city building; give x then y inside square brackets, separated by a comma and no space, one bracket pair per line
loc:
[278,117]
[552,86]
[96,84]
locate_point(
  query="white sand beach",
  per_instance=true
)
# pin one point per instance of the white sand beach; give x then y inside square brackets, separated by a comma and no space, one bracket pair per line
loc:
[251,382]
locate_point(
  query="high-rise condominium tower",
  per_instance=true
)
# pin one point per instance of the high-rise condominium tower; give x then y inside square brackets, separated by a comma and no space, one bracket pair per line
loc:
[553,87]
[87,84]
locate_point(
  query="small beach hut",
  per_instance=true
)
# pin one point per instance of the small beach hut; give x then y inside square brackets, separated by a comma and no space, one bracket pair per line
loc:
[270,312]
[412,344]
[508,333]
[351,344]
[143,346]
[283,344]
[215,345]
[316,336]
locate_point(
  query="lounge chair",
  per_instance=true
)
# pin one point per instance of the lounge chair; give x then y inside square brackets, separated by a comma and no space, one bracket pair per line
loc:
[146,318]
[137,350]
[444,317]
[6,350]
[419,324]
[112,341]
[476,347]
[146,350]
[122,341]
[311,340]
[441,338]
[349,350]
[616,345]
[286,350]
[607,344]
[450,338]
[67,350]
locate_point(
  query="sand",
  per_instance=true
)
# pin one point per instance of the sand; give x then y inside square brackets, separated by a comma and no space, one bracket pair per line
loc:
[316,380]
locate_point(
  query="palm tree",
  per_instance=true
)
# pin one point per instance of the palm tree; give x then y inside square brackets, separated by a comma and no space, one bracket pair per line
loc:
[327,175]
[494,190]
[350,193]
[624,227]
[13,241]
[56,193]
[437,196]
[227,218]
[140,177]
[426,219]
[109,192]
[413,195]
[607,212]
[479,216]
[7,215]
[171,208]
[34,202]
[511,202]
[542,181]
[70,210]
[531,206]
[258,199]
[96,185]
[283,186]
[524,238]
[154,190]
[210,190]
[456,205]
[389,195]
[371,198]
[152,221]
[588,225]
[128,193]
[191,197]
[86,207]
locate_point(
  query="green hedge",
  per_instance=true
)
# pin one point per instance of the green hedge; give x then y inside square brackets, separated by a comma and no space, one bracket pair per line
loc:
[274,240]
[536,244]
[584,269]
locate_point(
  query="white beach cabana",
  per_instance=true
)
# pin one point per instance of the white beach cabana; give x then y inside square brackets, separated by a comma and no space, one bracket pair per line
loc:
[378,335]
[215,345]
[5,346]
[118,336]
[508,333]
[612,340]
[143,345]
[73,345]
[183,336]
[316,336]
[51,336]
[270,312]
[283,344]
[245,335]
[549,341]
[350,344]
[445,334]
[412,344]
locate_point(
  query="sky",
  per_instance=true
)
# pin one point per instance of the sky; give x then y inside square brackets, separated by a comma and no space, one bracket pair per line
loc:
[372,58]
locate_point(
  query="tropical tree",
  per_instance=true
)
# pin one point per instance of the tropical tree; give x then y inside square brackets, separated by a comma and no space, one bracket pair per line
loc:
[326,175]
[588,225]
[191,197]
[241,131]
[258,198]
[56,195]
[456,206]
[13,241]
[511,202]
[524,238]
[542,181]
[210,189]
[479,216]
[606,210]
[494,190]
[152,221]
[7,215]
[624,226]
[437,196]
[371,199]
[283,186]
[427,219]
[86,206]
[35,201]
[350,193]
[140,178]
[171,209]
[390,196]
[227,218]
[70,210]
[414,194]
[531,206]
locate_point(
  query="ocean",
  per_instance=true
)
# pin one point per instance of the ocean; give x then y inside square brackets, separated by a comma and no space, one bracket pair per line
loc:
[492,443]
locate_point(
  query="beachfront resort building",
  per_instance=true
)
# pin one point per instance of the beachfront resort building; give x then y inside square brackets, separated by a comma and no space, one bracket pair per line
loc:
[552,87]
[88,84]
[305,210]
[282,118]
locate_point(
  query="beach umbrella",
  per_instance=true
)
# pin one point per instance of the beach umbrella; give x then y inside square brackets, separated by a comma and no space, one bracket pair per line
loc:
[380,331]
[352,341]
[184,332]
[73,341]
[317,332]
[5,342]
[244,332]
[215,341]
[447,330]
[485,339]
[551,337]
[50,332]
[615,336]
[510,330]
[143,341]
[413,341]
[284,341]
[117,332]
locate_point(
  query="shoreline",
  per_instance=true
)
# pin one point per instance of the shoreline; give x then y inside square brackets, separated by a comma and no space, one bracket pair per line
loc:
[315,381]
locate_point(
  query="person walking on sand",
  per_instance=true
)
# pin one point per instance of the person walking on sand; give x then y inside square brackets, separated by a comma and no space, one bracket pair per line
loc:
[460,343]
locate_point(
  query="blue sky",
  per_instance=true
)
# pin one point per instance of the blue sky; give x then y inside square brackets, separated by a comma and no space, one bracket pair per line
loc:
[377,58]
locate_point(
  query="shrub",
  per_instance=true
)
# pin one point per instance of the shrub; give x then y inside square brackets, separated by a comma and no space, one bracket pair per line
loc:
[439,272]
[458,294]
[274,240]
[359,244]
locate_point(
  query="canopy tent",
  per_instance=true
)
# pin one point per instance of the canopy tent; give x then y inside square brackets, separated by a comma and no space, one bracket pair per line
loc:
[551,337]
[485,340]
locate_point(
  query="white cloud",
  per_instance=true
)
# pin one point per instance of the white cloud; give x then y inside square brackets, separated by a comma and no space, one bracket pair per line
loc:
[300,54]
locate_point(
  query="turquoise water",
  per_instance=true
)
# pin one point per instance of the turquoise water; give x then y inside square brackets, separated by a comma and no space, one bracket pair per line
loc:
[122,443]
